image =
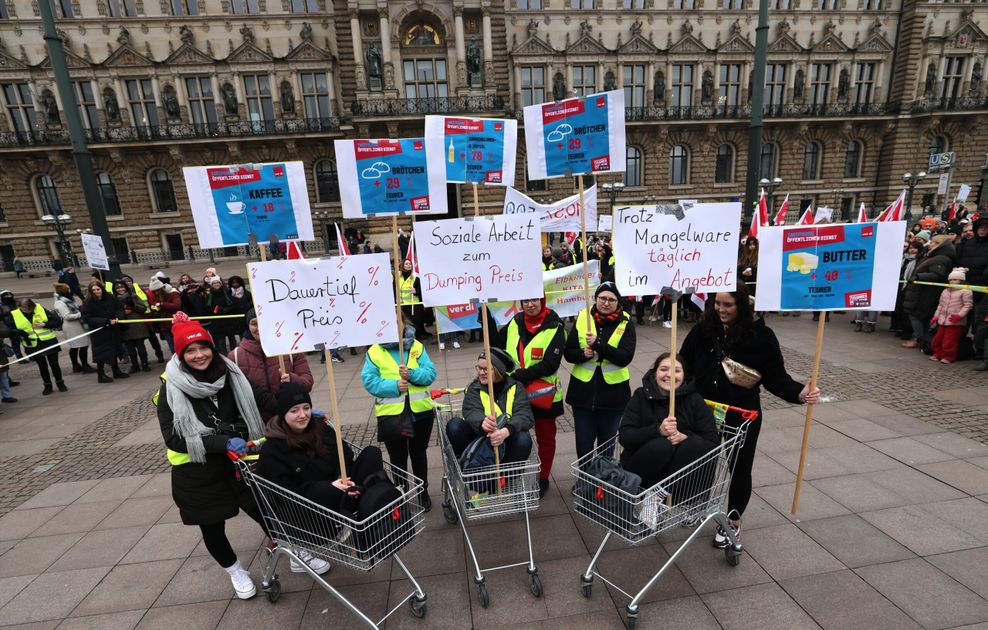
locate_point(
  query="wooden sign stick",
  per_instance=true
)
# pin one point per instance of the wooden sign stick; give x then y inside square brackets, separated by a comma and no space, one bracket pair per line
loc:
[331,380]
[672,364]
[264,258]
[586,265]
[401,324]
[809,413]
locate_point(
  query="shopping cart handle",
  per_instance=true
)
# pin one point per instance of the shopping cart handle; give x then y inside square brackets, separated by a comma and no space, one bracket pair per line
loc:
[253,444]
[439,393]
[749,415]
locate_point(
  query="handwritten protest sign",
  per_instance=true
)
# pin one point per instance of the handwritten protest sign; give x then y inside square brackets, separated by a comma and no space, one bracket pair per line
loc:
[659,249]
[92,245]
[576,136]
[486,258]
[333,301]
[846,266]
[606,223]
[391,177]
[233,201]
[477,150]
[561,216]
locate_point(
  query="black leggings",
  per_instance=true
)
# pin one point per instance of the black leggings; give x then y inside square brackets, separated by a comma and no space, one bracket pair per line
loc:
[45,361]
[400,451]
[744,459]
[218,545]
[137,351]
[79,356]
[658,458]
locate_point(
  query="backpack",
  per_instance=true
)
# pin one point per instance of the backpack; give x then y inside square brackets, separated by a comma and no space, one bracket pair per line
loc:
[387,533]
[479,453]
[54,320]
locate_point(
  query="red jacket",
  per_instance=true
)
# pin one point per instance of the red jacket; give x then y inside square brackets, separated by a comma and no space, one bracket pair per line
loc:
[170,304]
[263,371]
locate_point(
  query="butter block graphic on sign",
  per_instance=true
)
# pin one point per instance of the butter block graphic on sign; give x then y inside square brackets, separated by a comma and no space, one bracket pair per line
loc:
[802,262]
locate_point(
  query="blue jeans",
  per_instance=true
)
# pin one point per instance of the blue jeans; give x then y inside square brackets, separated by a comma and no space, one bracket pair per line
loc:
[517,448]
[594,427]
[921,328]
[5,384]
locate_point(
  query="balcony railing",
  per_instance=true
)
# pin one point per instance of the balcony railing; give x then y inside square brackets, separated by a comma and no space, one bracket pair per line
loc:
[182,131]
[420,106]
[787,110]
[957,104]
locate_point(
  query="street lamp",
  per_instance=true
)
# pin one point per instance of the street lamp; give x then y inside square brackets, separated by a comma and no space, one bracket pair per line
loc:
[612,190]
[58,224]
[770,186]
[911,181]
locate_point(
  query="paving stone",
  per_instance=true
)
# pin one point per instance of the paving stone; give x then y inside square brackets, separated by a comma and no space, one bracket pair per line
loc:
[115,488]
[631,568]
[707,571]
[321,610]
[159,485]
[199,616]
[813,504]
[20,523]
[843,600]
[684,612]
[59,494]
[914,484]
[129,587]
[863,430]
[597,620]
[925,593]
[768,472]
[784,551]
[955,445]
[968,515]
[34,555]
[137,511]
[421,557]
[912,526]
[967,567]
[99,548]
[859,493]
[447,603]
[759,607]
[910,451]
[126,620]
[960,474]
[260,613]
[164,542]
[51,596]
[9,587]
[78,517]
[854,541]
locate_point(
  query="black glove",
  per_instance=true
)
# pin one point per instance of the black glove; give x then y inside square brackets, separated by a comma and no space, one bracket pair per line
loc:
[351,499]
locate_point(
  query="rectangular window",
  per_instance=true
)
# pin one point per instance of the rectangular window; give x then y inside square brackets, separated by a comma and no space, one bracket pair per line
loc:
[425,78]
[202,103]
[532,86]
[142,107]
[779,5]
[730,84]
[826,5]
[683,4]
[315,94]
[3,11]
[304,6]
[873,5]
[20,109]
[634,4]
[581,4]
[87,104]
[122,8]
[584,80]
[775,85]
[864,81]
[61,8]
[682,85]
[529,5]
[185,7]
[245,7]
[634,85]
[819,83]
[257,94]
[953,74]
[733,4]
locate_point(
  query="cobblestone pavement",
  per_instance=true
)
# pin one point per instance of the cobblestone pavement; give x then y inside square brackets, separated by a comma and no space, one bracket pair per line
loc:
[890,530]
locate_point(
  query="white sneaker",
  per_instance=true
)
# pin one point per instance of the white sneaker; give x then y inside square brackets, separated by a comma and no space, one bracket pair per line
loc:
[442,346]
[456,344]
[243,584]
[318,565]
[667,324]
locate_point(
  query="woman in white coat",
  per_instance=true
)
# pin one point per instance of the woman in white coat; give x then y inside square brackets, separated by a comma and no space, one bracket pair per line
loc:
[67,309]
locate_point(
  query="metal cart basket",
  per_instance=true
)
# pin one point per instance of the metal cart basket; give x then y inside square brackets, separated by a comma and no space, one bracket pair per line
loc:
[296,523]
[690,497]
[488,492]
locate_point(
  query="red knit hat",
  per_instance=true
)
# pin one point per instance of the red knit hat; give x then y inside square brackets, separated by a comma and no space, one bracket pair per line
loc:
[186,331]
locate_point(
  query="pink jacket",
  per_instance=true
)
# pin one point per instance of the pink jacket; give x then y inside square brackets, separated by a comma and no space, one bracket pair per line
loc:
[954,302]
[263,372]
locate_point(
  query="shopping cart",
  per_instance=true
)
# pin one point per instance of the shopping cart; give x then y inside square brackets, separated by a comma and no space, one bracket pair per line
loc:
[297,524]
[690,497]
[488,492]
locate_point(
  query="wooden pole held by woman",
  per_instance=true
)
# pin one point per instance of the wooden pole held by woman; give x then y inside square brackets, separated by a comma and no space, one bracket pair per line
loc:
[586,265]
[331,379]
[401,325]
[809,412]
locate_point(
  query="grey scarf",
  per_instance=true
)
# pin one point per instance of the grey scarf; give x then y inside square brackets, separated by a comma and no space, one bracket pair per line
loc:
[182,387]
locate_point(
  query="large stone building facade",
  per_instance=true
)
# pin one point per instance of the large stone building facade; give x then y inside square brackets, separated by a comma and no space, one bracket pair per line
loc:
[857,93]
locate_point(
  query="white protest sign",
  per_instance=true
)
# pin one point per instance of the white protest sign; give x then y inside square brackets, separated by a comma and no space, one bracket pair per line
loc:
[561,216]
[823,215]
[963,192]
[605,223]
[846,266]
[943,183]
[656,249]
[333,301]
[231,202]
[564,287]
[486,258]
[92,245]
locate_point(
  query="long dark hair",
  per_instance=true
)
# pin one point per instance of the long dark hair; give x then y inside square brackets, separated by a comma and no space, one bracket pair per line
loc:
[308,441]
[710,322]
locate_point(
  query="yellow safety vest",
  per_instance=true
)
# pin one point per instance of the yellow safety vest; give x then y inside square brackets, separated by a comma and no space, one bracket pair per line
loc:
[540,341]
[138,292]
[613,374]
[407,284]
[485,400]
[174,457]
[419,397]
[34,335]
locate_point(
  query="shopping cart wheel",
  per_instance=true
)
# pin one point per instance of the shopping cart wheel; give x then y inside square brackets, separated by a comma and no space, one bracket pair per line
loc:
[450,514]
[273,591]
[586,585]
[536,584]
[418,607]
[485,597]
[733,554]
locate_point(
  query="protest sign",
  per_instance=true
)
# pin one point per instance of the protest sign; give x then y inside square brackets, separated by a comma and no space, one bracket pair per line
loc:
[92,245]
[605,223]
[391,177]
[333,301]
[659,247]
[963,192]
[576,136]
[564,288]
[486,258]
[477,150]
[463,317]
[233,201]
[828,267]
[823,215]
[561,216]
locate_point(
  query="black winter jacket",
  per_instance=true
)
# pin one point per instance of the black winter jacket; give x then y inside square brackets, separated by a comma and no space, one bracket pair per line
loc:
[596,394]
[298,471]
[757,348]
[649,406]
[98,313]
[973,254]
[521,410]
[548,365]
[921,300]
[209,493]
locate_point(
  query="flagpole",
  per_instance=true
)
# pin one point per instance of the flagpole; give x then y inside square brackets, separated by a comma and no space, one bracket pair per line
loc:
[809,412]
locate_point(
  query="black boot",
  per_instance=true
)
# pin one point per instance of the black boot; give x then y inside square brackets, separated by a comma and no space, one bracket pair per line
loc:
[76,368]
[161,359]
[543,487]
[102,377]
[47,390]
[982,367]
[61,386]
[86,368]
[118,373]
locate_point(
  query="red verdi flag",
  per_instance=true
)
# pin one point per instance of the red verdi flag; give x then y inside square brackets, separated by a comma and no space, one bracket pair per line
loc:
[780,216]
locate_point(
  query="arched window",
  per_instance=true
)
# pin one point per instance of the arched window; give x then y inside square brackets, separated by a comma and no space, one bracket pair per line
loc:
[768,165]
[811,161]
[48,201]
[633,172]
[724,169]
[108,193]
[940,144]
[679,159]
[327,183]
[852,159]
[162,191]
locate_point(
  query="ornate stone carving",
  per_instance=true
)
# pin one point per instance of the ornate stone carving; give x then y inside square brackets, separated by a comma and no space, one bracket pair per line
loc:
[306,32]
[186,36]
[124,37]
[247,33]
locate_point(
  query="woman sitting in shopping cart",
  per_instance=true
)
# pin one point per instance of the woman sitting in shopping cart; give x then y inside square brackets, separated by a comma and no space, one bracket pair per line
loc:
[507,423]
[656,444]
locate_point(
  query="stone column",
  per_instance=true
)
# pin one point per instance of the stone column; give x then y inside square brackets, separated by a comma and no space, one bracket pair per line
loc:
[388,62]
[462,81]
[488,48]
[358,50]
